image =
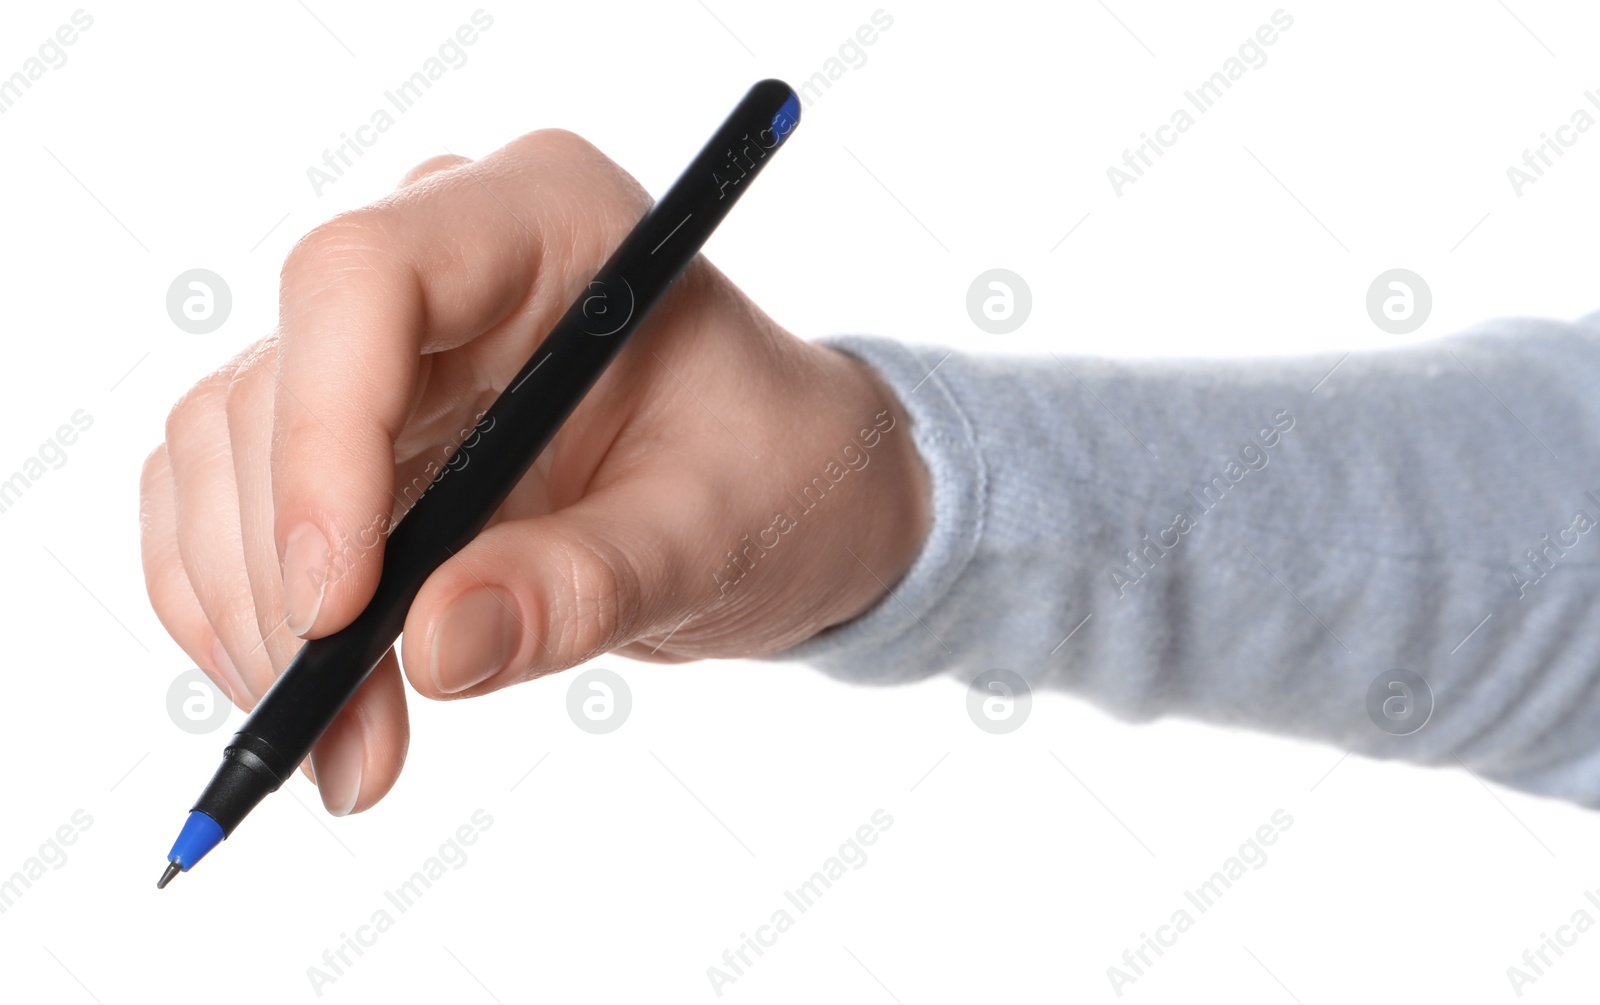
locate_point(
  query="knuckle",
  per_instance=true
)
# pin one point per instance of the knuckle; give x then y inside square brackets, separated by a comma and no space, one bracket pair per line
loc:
[200,404]
[604,602]
[583,168]
[557,142]
[349,239]
[249,396]
[436,164]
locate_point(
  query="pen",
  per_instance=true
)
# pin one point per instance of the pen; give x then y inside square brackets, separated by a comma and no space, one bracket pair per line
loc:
[326,672]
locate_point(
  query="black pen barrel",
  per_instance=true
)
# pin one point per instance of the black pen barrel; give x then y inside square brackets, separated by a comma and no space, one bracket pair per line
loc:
[501,447]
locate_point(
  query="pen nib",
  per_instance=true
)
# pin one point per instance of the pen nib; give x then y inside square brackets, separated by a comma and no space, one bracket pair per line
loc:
[166,877]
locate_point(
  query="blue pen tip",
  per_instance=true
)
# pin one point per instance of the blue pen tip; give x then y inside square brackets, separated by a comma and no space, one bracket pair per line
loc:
[787,118]
[200,834]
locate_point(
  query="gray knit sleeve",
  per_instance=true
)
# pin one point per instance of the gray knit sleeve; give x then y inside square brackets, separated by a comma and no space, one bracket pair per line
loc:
[1269,543]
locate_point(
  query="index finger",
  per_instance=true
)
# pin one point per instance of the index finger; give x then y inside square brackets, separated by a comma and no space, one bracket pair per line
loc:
[467,252]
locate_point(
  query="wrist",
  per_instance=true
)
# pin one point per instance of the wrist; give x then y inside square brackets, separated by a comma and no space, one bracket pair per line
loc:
[940,437]
[897,509]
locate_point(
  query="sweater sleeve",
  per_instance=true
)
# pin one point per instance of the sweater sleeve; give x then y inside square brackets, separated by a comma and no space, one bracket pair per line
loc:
[1268,543]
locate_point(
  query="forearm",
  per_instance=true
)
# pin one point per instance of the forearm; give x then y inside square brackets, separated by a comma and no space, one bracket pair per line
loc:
[1254,542]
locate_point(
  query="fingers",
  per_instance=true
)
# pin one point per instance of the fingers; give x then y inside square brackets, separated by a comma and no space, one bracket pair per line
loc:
[359,758]
[206,522]
[361,755]
[217,603]
[248,408]
[432,267]
[167,582]
[530,597]
[264,513]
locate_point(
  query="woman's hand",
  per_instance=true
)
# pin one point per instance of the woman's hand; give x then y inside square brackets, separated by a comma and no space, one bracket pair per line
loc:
[670,519]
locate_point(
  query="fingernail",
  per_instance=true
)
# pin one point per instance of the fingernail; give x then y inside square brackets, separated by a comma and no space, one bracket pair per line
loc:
[231,679]
[305,576]
[475,639]
[337,762]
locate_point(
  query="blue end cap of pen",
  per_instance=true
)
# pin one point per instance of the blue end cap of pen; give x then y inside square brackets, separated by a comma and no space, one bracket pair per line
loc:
[200,834]
[787,118]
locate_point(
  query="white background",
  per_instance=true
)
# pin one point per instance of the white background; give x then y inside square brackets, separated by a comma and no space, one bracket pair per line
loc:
[974,136]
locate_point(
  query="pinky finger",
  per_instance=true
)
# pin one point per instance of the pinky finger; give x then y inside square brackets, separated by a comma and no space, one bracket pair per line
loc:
[360,756]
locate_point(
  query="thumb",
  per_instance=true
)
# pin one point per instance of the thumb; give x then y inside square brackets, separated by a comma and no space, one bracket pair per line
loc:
[530,597]
[365,295]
